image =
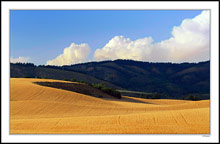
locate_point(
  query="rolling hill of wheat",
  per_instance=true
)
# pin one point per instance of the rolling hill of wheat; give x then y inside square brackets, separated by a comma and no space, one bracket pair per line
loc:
[36,109]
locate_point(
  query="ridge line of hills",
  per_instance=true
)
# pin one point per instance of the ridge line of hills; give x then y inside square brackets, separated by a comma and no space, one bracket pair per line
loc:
[173,80]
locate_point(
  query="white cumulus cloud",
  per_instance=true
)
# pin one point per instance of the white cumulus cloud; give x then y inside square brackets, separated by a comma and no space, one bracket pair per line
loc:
[189,42]
[72,55]
[19,59]
[124,48]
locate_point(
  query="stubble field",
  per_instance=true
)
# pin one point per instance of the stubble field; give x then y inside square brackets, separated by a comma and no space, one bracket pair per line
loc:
[36,109]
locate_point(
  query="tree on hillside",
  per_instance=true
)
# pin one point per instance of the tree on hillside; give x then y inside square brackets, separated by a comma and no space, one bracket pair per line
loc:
[182,98]
[144,96]
[193,97]
[155,96]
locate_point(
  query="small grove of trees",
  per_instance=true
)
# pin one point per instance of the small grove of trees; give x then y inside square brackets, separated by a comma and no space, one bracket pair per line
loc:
[23,64]
[106,90]
[155,96]
[99,86]
[73,80]
[144,96]
[192,97]
[182,98]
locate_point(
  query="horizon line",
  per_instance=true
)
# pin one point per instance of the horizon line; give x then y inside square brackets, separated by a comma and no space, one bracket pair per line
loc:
[109,60]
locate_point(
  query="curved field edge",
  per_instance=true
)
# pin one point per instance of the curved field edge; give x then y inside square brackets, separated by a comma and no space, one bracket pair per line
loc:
[37,109]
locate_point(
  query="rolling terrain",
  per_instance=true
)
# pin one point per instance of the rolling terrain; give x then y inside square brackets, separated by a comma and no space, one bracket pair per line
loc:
[170,80]
[36,109]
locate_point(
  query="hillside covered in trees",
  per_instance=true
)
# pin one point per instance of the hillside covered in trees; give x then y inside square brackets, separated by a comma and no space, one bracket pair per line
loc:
[169,80]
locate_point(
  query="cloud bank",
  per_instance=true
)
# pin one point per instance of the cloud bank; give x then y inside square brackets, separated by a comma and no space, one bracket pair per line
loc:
[72,55]
[189,42]
[19,59]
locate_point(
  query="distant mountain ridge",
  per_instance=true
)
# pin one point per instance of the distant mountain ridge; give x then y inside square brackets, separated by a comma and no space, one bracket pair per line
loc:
[171,79]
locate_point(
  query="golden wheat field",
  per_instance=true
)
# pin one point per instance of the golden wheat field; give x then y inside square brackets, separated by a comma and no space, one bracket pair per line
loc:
[36,109]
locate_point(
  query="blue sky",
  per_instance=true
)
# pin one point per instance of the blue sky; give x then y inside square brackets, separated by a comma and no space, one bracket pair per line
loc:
[42,35]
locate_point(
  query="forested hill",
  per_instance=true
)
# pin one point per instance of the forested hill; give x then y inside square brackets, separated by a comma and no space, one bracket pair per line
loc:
[172,80]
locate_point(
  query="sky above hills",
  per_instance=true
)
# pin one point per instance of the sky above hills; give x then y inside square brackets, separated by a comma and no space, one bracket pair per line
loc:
[64,37]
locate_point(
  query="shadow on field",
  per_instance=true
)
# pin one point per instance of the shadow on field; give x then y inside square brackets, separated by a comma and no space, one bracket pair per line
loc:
[87,90]
[127,99]
[77,87]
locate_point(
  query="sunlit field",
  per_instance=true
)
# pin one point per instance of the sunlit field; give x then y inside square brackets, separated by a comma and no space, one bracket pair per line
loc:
[36,109]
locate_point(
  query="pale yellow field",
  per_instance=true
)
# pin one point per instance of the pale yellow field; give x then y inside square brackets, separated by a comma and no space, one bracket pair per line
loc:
[37,109]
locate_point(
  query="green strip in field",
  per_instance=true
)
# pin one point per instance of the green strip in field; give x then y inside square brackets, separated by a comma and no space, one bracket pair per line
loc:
[134,92]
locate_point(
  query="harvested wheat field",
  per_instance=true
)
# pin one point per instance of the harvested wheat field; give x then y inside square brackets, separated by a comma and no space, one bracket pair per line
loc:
[36,109]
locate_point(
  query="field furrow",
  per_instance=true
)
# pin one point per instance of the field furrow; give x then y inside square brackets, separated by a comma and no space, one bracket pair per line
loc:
[38,109]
